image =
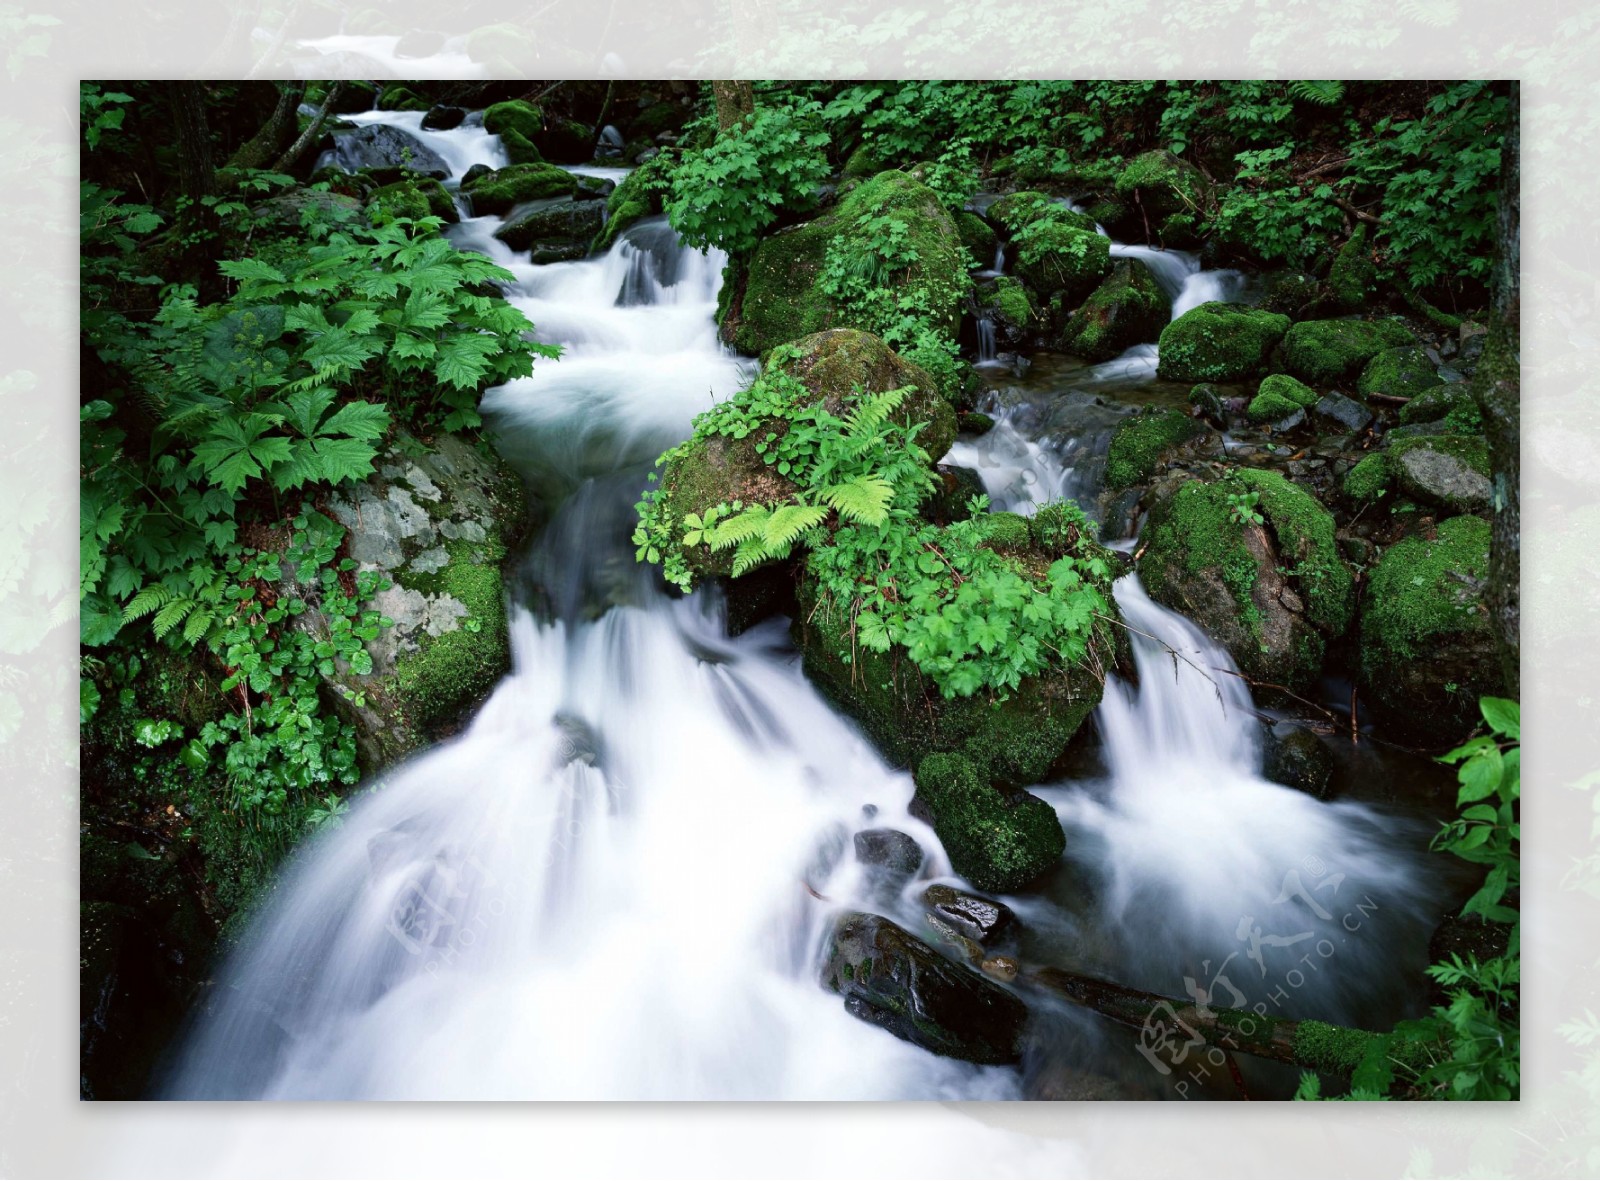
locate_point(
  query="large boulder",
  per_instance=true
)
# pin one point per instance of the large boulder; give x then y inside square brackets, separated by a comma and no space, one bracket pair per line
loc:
[891,979]
[438,524]
[1060,258]
[1427,650]
[1324,352]
[1219,342]
[1166,193]
[517,123]
[499,191]
[979,239]
[1140,440]
[997,838]
[1128,308]
[384,147]
[557,229]
[1273,592]
[831,365]
[778,297]
[635,198]
[1450,472]
[1403,371]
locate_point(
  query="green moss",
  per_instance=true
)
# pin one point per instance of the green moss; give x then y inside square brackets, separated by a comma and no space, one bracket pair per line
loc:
[514,115]
[422,197]
[1403,372]
[1306,543]
[1171,193]
[862,163]
[1369,479]
[1327,351]
[996,841]
[1006,531]
[1196,533]
[1059,528]
[631,201]
[1219,342]
[497,192]
[1059,257]
[1128,308]
[1452,403]
[1011,299]
[1271,407]
[1331,1048]
[399,98]
[1139,441]
[1354,276]
[1416,589]
[1015,211]
[450,671]
[1280,396]
[977,237]
[781,300]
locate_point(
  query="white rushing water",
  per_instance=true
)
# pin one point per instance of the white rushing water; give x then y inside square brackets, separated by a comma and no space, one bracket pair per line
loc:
[607,886]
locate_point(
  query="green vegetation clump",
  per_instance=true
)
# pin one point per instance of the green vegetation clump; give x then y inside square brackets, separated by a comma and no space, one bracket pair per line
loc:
[1280,396]
[1402,372]
[1323,352]
[1171,193]
[1055,256]
[1354,276]
[1128,308]
[1307,547]
[1016,211]
[1370,478]
[1011,299]
[1219,342]
[1138,442]
[412,200]
[400,98]
[497,192]
[638,196]
[998,842]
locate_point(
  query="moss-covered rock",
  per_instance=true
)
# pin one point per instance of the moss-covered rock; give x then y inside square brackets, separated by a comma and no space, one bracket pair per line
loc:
[831,365]
[997,840]
[1322,352]
[633,200]
[557,229]
[1272,593]
[401,98]
[1280,396]
[1169,193]
[1061,258]
[1128,308]
[422,197]
[978,238]
[1427,651]
[1402,372]
[1369,479]
[496,192]
[1016,211]
[1451,472]
[566,141]
[780,299]
[438,525]
[863,162]
[1451,405]
[1354,276]
[1138,442]
[1219,342]
[516,123]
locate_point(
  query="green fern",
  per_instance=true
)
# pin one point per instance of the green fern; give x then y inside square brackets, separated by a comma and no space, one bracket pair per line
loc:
[1324,93]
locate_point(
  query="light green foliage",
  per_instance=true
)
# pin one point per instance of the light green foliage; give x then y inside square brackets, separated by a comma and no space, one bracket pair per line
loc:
[1219,342]
[728,194]
[1242,508]
[1327,351]
[1138,442]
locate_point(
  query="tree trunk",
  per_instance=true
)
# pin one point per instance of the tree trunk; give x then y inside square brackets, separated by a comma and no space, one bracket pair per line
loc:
[294,151]
[197,179]
[735,101]
[268,144]
[1497,386]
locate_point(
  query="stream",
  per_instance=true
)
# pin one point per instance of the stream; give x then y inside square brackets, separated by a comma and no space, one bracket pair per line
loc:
[599,889]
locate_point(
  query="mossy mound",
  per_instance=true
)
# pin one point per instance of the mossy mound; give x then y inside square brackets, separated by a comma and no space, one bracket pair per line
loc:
[1015,211]
[1170,194]
[1280,396]
[633,200]
[1272,593]
[516,123]
[1354,276]
[1452,405]
[997,840]
[1014,307]
[1427,652]
[1138,442]
[1062,258]
[978,237]
[831,365]
[1322,352]
[422,197]
[400,98]
[497,192]
[566,141]
[1369,479]
[1219,342]
[1402,372]
[781,299]
[864,161]
[1128,308]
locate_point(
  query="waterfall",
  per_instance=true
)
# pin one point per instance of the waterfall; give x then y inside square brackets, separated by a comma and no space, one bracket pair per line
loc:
[987,354]
[615,882]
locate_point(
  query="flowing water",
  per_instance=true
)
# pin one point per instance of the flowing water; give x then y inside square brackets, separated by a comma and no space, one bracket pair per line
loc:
[615,883]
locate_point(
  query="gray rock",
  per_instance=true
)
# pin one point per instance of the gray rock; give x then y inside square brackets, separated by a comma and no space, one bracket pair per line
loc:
[443,118]
[890,857]
[1349,414]
[891,979]
[1442,479]
[1295,757]
[384,146]
[980,919]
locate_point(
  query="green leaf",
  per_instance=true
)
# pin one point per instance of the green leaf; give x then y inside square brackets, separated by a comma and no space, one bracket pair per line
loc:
[1503,716]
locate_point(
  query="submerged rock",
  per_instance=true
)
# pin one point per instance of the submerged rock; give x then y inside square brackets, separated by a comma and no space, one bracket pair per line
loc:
[1219,342]
[1273,593]
[891,979]
[1427,651]
[779,298]
[890,857]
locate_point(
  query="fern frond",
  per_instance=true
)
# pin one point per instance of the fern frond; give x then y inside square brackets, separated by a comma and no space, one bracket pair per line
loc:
[786,525]
[149,599]
[864,500]
[1323,93]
